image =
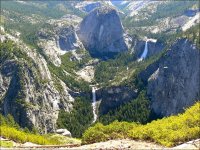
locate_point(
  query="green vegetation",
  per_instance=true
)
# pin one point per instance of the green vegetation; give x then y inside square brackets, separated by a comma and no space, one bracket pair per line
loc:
[112,72]
[6,144]
[74,65]
[29,17]
[193,35]
[107,70]
[8,121]
[11,130]
[79,119]
[49,9]
[67,63]
[22,137]
[136,110]
[115,72]
[99,132]
[64,139]
[69,80]
[70,66]
[168,131]
[9,50]
[30,9]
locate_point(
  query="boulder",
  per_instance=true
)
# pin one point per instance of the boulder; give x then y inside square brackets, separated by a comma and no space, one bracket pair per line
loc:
[64,132]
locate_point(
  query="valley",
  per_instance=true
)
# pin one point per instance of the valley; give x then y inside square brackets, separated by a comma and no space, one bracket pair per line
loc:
[105,71]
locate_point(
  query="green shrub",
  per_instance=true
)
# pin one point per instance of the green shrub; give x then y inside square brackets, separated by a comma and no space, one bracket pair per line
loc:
[115,130]
[2,120]
[168,131]
[171,130]
[22,137]
[6,144]
[11,130]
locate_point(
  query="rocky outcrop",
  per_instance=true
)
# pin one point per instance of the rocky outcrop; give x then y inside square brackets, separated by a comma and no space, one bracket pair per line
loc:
[101,32]
[174,83]
[113,97]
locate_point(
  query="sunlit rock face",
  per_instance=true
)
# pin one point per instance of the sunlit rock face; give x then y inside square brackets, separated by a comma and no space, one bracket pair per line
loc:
[174,83]
[28,91]
[68,39]
[101,33]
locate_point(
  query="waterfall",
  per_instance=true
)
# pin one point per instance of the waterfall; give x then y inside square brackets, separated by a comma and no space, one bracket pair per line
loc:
[144,54]
[100,32]
[94,103]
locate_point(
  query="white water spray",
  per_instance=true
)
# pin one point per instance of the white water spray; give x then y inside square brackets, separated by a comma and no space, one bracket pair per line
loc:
[94,104]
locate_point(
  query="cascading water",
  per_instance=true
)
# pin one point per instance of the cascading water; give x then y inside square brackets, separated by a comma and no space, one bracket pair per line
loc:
[94,104]
[144,54]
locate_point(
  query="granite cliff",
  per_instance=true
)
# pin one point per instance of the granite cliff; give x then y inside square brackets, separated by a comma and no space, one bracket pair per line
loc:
[28,90]
[101,32]
[173,80]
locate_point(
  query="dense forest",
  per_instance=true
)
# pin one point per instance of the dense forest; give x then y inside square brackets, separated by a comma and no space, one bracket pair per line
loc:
[79,119]
[136,110]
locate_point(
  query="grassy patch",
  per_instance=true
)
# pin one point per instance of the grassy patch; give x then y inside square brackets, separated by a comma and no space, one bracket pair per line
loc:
[64,139]
[6,144]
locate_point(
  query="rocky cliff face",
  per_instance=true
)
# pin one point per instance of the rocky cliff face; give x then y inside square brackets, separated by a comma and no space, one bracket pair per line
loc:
[113,97]
[174,82]
[30,92]
[62,39]
[101,32]
[68,39]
